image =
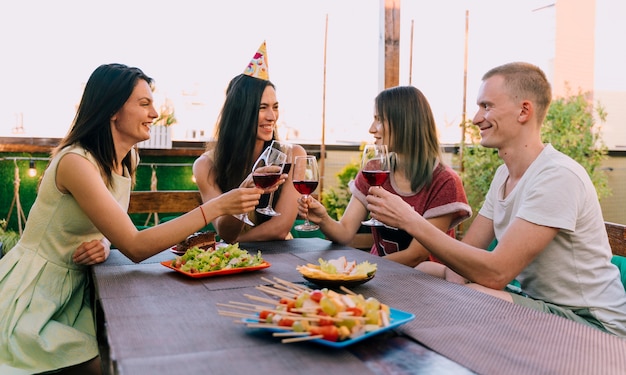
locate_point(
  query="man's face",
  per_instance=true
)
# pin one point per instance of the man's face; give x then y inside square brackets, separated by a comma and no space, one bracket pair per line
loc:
[497,113]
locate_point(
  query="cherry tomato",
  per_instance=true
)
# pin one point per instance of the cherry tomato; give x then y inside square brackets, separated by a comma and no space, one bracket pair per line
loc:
[317,295]
[286,322]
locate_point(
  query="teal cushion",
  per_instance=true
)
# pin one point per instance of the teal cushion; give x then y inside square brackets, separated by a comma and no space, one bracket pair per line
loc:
[310,234]
[620,262]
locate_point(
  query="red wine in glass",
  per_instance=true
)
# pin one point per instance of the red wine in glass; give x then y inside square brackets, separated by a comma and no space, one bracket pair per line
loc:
[265,180]
[375,169]
[305,179]
[376,178]
[305,187]
[286,149]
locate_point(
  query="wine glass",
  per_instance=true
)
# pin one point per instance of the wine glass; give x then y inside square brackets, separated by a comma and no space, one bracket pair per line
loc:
[305,179]
[266,171]
[285,148]
[375,169]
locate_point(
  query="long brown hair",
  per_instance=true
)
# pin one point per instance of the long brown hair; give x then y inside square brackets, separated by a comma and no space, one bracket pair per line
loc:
[107,89]
[412,132]
[236,130]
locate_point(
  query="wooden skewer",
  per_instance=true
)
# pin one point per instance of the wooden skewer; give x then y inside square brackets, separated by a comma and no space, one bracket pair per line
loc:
[237,307]
[293,293]
[295,286]
[290,334]
[261,299]
[301,338]
[347,290]
[233,314]
[265,325]
[273,291]
[304,310]
[253,305]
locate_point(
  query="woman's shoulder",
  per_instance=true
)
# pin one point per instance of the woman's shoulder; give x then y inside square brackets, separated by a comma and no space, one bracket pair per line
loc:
[75,149]
[206,159]
[298,150]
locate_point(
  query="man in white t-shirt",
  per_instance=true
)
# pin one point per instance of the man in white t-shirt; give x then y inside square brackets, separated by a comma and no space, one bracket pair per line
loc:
[542,209]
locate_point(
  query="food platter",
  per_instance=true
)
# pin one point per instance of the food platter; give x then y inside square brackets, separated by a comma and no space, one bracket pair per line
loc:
[229,271]
[336,283]
[298,313]
[334,273]
[398,317]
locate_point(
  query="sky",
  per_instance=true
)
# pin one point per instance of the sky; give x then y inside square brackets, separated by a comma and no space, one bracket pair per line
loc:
[192,49]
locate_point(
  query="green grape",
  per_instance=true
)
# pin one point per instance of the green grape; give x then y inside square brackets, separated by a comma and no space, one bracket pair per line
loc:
[301,298]
[372,304]
[298,327]
[371,317]
[328,306]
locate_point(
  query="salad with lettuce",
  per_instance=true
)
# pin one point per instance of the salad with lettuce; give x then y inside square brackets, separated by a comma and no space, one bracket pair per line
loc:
[197,260]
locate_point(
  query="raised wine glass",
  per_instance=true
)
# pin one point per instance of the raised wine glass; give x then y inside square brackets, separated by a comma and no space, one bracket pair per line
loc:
[375,169]
[287,149]
[266,172]
[305,179]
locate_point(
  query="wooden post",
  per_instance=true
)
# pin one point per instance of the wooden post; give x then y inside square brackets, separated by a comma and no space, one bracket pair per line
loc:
[464,111]
[411,55]
[392,43]
[323,145]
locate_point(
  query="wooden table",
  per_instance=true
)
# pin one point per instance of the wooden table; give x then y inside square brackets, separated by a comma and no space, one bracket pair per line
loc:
[152,320]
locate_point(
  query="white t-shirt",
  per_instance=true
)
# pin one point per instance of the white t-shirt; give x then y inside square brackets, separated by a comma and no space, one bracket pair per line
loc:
[575,269]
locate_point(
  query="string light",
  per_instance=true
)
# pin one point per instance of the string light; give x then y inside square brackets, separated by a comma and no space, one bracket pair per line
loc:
[32,171]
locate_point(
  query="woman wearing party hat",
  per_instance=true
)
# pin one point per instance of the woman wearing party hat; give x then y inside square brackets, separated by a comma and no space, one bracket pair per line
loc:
[246,126]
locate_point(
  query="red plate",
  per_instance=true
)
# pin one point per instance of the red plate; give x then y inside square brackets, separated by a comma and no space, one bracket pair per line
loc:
[168,264]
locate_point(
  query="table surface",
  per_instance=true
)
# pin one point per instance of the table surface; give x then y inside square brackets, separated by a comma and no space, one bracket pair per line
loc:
[153,320]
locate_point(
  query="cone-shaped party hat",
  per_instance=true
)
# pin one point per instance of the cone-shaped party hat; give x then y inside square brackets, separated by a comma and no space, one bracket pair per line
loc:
[258,65]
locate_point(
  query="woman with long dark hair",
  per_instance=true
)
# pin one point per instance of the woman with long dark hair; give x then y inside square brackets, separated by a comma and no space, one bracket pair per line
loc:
[47,322]
[246,126]
[404,122]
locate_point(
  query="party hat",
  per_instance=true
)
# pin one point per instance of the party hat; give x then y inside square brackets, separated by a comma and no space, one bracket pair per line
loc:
[257,67]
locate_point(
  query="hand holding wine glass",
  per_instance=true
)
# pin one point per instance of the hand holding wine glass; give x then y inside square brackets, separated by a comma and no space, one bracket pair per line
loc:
[305,180]
[266,172]
[287,149]
[375,168]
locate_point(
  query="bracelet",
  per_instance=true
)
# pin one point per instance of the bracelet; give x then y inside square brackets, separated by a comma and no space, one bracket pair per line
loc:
[204,216]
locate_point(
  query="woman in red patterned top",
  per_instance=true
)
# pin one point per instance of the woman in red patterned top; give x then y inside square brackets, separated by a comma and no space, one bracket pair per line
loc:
[404,122]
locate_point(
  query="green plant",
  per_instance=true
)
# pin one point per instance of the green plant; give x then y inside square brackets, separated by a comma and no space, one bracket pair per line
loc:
[8,238]
[336,199]
[570,128]
[166,115]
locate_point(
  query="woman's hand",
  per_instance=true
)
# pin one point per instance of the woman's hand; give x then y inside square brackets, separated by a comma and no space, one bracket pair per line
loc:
[236,201]
[248,182]
[92,252]
[311,208]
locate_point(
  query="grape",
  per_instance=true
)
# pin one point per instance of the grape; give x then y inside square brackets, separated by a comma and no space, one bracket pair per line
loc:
[301,298]
[328,306]
[298,327]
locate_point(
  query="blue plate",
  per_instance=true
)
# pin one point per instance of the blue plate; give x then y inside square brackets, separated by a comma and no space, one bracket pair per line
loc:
[397,318]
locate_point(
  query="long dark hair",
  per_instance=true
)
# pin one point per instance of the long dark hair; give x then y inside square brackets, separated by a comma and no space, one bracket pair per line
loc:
[107,89]
[236,130]
[412,132]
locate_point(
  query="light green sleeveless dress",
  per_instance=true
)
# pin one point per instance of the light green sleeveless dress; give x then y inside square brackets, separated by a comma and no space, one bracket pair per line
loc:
[46,317]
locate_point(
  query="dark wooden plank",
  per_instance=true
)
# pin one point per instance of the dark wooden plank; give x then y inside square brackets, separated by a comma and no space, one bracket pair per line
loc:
[617,237]
[163,201]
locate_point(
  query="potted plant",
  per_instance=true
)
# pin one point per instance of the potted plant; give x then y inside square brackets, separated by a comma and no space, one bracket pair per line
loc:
[160,131]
